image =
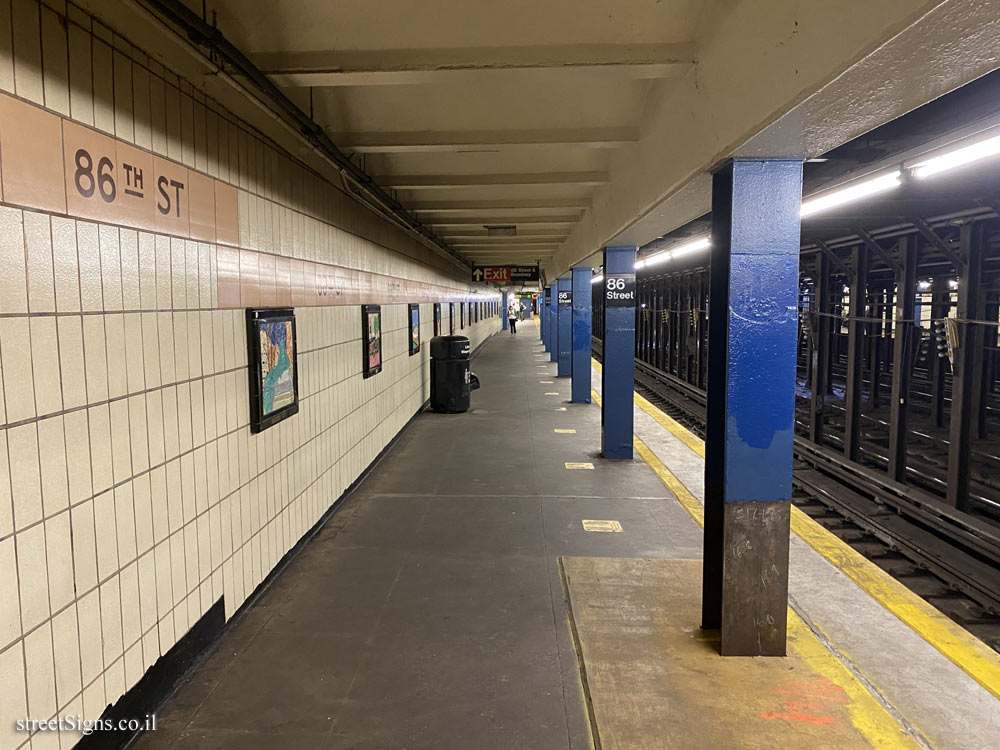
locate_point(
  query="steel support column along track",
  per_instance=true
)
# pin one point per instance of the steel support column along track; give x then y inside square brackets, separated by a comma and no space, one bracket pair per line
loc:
[944,555]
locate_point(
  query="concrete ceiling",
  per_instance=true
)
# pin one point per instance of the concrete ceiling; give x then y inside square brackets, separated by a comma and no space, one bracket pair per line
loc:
[589,123]
[476,113]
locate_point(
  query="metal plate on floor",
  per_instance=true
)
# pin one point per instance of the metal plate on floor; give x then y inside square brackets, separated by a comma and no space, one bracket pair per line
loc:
[579,465]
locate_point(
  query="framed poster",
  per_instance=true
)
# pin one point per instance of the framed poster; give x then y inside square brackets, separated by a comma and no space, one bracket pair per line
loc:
[437,318]
[274,374]
[414,314]
[371,339]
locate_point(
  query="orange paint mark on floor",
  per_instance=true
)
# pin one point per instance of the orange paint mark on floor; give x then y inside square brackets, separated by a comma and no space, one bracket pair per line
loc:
[794,713]
[822,689]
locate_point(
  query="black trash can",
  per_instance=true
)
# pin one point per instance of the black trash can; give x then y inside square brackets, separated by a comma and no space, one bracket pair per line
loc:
[450,376]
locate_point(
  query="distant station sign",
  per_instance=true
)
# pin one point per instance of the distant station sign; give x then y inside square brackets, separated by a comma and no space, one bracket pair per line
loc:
[504,274]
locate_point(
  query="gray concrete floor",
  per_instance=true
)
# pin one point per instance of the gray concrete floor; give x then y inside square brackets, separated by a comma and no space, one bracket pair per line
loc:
[429,611]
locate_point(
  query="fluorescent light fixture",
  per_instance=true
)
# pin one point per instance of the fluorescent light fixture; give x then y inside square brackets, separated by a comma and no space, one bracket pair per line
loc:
[854,192]
[923,286]
[699,244]
[662,257]
[958,157]
[597,279]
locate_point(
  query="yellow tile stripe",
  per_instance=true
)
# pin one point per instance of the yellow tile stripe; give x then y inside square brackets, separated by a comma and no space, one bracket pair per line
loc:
[962,648]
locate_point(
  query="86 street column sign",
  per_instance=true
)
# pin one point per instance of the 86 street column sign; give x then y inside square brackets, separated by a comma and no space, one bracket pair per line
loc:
[619,290]
[565,298]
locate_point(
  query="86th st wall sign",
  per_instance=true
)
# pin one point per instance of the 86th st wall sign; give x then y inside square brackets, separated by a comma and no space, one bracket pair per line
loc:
[112,181]
[53,164]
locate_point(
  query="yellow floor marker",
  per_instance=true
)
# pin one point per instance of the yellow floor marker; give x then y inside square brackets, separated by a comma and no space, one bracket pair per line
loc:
[579,465]
[605,526]
[560,408]
[563,431]
[546,382]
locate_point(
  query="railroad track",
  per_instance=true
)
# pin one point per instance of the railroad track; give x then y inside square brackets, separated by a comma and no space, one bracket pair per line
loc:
[947,557]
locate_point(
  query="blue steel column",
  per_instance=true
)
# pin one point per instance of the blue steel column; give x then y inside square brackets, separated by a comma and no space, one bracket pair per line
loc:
[564,315]
[543,321]
[581,335]
[503,312]
[618,371]
[553,324]
[751,403]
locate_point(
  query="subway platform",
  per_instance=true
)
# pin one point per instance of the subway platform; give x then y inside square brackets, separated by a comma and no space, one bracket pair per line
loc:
[494,583]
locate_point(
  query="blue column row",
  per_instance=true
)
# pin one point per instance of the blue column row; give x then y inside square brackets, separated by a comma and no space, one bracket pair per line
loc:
[581,335]
[553,325]
[543,318]
[618,372]
[503,312]
[564,315]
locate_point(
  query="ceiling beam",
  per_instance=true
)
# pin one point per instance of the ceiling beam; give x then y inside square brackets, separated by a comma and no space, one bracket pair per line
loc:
[486,204]
[408,66]
[497,245]
[475,75]
[553,232]
[510,255]
[471,140]
[438,181]
[481,221]
[527,247]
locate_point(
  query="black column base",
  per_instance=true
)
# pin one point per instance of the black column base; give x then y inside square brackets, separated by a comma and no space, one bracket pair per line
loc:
[755,579]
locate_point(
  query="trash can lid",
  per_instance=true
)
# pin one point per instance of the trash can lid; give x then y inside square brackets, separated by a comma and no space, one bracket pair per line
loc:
[450,347]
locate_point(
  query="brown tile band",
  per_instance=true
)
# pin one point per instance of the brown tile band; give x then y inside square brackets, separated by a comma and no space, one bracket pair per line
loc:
[247,278]
[55,164]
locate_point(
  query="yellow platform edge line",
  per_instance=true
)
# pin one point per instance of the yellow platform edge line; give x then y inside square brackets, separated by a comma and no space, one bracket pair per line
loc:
[867,715]
[957,644]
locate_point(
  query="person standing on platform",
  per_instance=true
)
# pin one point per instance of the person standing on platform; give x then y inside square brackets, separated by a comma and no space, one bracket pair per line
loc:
[512,318]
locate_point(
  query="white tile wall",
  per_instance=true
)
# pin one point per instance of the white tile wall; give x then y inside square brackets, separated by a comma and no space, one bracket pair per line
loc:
[132,493]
